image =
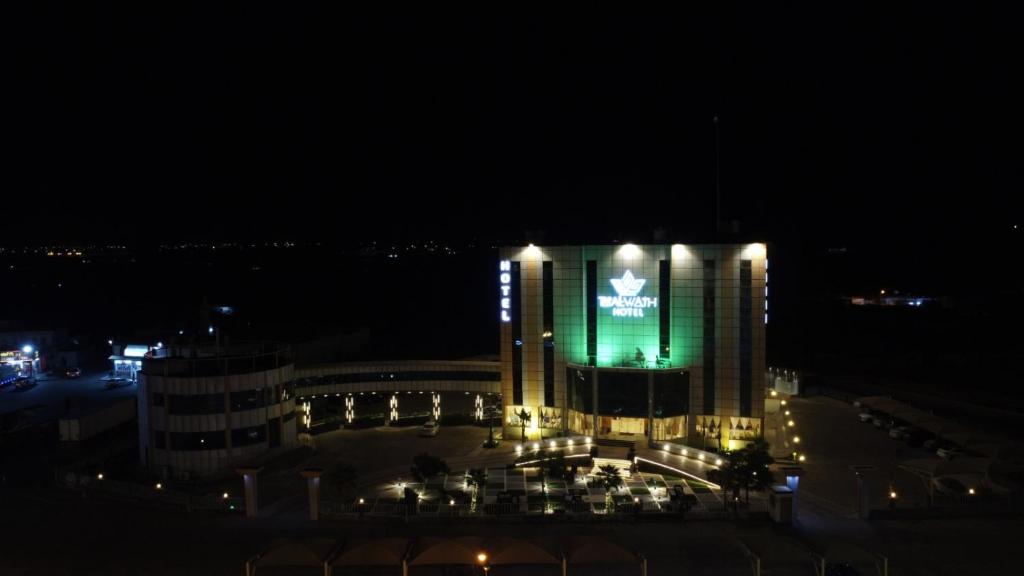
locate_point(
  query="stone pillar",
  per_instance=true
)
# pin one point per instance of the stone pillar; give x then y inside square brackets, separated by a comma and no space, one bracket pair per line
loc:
[249,478]
[312,476]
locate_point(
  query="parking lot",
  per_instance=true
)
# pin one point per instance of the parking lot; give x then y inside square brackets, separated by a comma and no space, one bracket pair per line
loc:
[834,439]
[52,396]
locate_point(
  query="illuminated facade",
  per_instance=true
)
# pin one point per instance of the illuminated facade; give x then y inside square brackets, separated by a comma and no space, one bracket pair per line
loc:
[657,342]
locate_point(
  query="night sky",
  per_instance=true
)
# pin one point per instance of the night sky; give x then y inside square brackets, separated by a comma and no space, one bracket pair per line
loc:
[840,125]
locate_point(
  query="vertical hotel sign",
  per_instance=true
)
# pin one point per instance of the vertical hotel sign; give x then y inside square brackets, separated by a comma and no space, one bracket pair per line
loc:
[505,283]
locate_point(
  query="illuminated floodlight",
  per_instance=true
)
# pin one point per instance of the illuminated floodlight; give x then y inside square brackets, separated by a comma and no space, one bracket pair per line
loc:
[629,250]
[27,349]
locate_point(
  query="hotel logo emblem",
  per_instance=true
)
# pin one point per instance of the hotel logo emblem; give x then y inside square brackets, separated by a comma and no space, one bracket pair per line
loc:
[628,304]
[628,285]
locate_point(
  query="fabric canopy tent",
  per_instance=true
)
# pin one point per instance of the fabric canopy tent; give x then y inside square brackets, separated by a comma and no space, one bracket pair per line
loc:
[377,552]
[439,551]
[517,551]
[309,554]
[593,550]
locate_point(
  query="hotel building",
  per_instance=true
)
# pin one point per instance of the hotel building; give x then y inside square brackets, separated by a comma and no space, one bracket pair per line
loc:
[637,342]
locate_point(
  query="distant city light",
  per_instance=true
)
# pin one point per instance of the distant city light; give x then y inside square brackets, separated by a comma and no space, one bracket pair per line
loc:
[210,330]
[110,342]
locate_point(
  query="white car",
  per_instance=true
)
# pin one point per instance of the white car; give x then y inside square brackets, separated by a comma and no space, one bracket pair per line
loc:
[429,428]
[947,453]
[866,416]
[899,432]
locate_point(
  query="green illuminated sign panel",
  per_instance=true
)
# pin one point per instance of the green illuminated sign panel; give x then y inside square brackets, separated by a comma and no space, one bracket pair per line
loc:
[627,303]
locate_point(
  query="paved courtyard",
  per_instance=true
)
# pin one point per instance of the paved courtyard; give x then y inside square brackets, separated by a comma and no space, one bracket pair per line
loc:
[530,493]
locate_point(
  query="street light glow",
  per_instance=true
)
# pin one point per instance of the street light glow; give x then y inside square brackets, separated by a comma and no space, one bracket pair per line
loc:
[27,349]
[481,557]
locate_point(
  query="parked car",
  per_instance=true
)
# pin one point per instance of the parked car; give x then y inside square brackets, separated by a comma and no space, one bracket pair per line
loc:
[866,416]
[931,444]
[947,452]
[429,428]
[72,372]
[115,382]
[879,422]
[899,432]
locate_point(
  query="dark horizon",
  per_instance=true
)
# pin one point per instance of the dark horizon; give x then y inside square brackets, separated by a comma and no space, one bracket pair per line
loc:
[318,123]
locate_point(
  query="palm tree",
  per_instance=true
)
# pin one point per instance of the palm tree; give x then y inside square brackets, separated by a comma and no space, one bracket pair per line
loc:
[609,477]
[477,478]
[524,419]
[729,476]
[756,471]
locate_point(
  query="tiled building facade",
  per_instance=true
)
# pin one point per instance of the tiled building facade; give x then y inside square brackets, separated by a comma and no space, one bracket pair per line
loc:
[653,341]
